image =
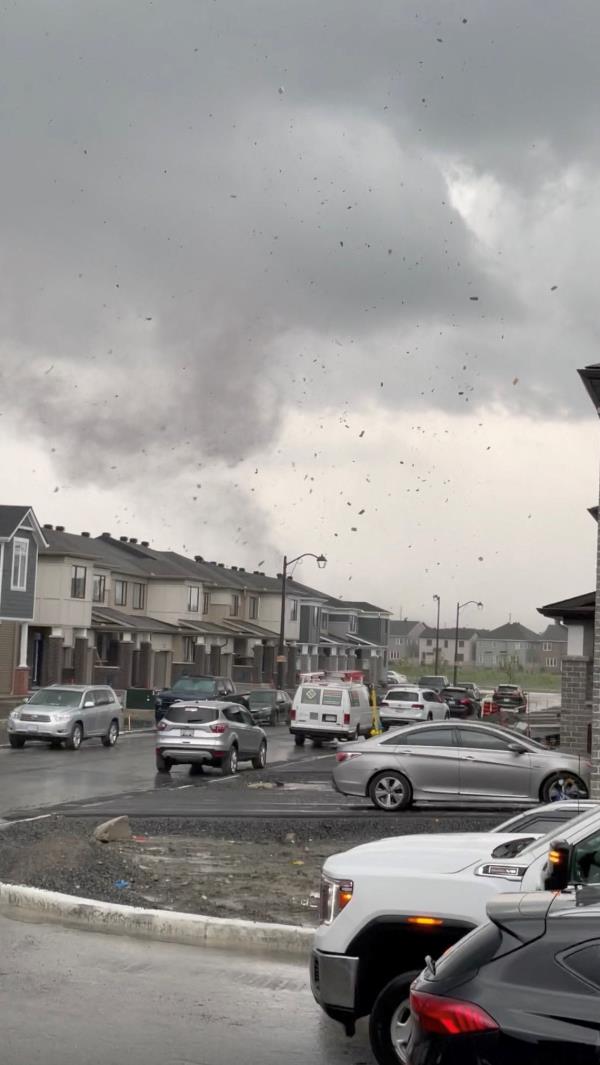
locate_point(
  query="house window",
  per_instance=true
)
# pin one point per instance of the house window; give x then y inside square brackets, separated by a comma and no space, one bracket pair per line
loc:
[234,609]
[315,617]
[429,643]
[205,602]
[193,599]
[18,581]
[445,643]
[324,621]
[253,607]
[78,582]
[461,643]
[99,588]
[188,648]
[551,663]
[120,593]
[294,610]
[352,623]
[139,596]
[547,646]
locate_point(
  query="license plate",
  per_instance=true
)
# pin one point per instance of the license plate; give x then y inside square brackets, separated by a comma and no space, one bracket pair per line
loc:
[314,717]
[187,732]
[329,717]
[32,726]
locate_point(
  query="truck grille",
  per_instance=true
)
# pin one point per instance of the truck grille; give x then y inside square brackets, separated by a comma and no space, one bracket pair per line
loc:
[34,717]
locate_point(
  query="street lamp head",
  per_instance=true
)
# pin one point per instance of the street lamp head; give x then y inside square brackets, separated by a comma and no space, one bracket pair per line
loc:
[437,598]
[321,561]
[480,606]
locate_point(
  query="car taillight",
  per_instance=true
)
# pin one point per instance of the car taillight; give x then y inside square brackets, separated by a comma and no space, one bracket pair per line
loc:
[464,702]
[343,756]
[162,725]
[417,706]
[219,727]
[448,1016]
[346,719]
[292,715]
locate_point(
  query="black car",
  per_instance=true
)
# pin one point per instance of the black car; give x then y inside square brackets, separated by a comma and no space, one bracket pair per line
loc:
[268,706]
[191,687]
[523,988]
[461,701]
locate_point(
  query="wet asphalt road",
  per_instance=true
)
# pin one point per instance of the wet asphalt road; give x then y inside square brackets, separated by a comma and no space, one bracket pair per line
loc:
[36,779]
[122,1000]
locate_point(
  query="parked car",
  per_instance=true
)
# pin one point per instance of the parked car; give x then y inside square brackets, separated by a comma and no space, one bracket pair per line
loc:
[190,686]
[435,682]
[523,987]
[392,677]
[330,710]
[267,706]
[67,715]
[471,687]
[457,762]
[510,695]
[385,905]
[214,733]
[461,701]
[401,706]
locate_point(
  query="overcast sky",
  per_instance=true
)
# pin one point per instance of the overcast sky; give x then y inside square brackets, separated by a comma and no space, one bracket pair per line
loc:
[308,277]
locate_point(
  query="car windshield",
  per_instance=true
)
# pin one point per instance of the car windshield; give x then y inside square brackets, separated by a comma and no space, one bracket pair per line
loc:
[194,684]
[550,836]
[56,697]
[261,698]
[192,715]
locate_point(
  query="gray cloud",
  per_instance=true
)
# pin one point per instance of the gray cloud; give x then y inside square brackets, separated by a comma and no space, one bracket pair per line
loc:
[181,240]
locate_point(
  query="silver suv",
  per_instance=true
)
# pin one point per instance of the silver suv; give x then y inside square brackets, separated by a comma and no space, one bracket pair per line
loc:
[67,714]
[216,733]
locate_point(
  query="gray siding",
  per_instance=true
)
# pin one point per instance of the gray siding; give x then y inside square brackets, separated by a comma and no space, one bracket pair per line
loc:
[309,631]
[374,629]
[18,604]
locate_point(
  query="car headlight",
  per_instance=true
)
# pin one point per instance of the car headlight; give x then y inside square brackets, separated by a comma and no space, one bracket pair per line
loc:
[61,715]
[334,897]
[15,715]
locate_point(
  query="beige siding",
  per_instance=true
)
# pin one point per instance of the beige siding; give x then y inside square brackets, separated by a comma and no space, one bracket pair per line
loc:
[8,655]
[53,603]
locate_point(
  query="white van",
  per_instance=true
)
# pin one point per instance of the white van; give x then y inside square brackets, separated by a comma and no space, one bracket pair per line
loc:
[330,710]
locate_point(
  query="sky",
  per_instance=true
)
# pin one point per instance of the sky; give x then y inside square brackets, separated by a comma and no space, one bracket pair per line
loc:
[285,278]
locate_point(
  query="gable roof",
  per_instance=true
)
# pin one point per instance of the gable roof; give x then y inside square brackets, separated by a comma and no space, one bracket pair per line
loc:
[449,634]
[12,518]
[403,628]
[555,634]
[513,630]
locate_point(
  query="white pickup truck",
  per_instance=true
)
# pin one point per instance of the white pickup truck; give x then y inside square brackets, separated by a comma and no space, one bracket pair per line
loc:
[386,905]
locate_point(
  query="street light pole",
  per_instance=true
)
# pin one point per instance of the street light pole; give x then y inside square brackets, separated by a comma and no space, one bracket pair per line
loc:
[437,635]
[459,607]
[281,656]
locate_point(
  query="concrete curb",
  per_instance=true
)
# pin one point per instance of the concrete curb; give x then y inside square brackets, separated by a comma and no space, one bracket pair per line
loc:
[27,903]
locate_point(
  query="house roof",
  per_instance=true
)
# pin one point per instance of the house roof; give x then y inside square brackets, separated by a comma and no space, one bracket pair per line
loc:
[366,608]
[403,628]
[512,630]
[574,609]
[104,617]
[449,634]
[555,634]
[11,519]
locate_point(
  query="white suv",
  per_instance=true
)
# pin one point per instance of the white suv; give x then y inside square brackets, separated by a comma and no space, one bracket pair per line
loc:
[404,704]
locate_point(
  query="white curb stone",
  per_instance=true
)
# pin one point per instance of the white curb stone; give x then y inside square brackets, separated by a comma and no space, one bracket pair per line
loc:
[163,925]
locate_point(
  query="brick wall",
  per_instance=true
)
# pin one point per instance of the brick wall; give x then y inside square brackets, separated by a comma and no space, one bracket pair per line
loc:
[576,705]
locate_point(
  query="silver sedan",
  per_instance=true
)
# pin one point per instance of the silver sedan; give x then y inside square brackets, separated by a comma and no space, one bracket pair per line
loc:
[457,763]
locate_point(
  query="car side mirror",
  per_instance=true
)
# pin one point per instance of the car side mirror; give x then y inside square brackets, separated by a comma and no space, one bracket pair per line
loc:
[88,704]
[516,748]
[558,866]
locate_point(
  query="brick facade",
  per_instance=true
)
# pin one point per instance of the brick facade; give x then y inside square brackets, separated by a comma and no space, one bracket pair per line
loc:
[576,703]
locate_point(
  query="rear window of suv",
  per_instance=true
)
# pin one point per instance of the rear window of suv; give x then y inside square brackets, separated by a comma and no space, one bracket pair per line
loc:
[204,685]
[402,697]
[192,715]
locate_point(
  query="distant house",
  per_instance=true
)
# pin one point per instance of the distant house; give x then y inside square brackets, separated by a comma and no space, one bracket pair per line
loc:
[404,639]
[510,643]
[450,650]
[20,540]
[554,647]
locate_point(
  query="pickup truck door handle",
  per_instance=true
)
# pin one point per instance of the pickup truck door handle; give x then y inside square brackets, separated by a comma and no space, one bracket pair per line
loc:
[469,758]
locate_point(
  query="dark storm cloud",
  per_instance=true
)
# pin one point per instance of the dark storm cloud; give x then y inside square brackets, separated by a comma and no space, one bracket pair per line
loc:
[174,226]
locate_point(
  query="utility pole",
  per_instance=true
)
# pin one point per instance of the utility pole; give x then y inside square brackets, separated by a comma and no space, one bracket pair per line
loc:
[437,635]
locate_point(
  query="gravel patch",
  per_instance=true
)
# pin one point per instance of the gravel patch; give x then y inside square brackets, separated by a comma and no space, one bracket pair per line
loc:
[225,867]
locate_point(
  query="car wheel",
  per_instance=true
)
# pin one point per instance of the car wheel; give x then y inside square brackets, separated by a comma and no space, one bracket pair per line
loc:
[261,758]
[299,740]
[390,791]
[430,716]
[563,786]
[229,765]
[163,765]
[112,735]
[390,1022]
[16,742]
[74,741]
